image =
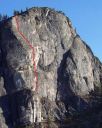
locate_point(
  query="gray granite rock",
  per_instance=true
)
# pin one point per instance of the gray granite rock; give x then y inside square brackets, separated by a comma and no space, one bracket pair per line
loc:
[67,69]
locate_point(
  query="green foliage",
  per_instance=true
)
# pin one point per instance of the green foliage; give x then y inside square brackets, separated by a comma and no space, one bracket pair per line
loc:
[16,12]
[27,126]
[62,13]
[3,17]
[35,125]
[27,9]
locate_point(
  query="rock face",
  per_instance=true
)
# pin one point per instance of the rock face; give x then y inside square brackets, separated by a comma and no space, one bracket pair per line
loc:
[67,72]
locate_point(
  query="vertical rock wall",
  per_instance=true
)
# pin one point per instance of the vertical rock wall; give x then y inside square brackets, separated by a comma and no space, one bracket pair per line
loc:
[66,67]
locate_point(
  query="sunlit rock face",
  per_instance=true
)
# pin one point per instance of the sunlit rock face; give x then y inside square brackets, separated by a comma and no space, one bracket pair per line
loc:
[66,68]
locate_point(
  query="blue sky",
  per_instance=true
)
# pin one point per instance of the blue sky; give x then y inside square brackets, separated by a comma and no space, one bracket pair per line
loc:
[86,16]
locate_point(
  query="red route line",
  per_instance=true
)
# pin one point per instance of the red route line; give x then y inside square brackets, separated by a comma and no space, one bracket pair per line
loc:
[31,47]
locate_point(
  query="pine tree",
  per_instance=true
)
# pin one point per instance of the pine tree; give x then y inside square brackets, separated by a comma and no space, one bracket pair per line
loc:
[3,17]
[15,12]
[0,17]
[21,11]
[27,9]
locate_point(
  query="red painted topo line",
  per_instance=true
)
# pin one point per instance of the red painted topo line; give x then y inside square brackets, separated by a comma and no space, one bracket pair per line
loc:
[31,47]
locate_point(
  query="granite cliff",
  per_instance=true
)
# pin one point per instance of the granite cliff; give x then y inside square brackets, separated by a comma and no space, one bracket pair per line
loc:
[47,72]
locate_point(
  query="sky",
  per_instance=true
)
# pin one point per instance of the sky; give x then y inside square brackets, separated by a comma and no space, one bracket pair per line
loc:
[86,16]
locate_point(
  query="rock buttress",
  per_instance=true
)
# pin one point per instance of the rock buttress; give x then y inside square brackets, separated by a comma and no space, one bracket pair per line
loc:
[66,68]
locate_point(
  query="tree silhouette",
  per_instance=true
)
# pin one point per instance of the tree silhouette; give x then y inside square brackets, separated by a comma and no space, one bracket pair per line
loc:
[3,17]
[15,12]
